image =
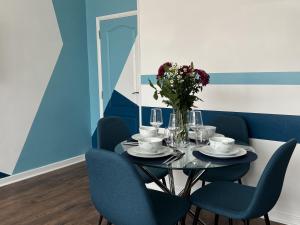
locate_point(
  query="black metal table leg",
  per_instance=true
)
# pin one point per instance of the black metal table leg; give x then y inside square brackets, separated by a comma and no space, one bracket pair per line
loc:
[156,180]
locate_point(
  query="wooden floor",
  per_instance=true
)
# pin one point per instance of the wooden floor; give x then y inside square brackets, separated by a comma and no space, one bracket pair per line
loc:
[60,198]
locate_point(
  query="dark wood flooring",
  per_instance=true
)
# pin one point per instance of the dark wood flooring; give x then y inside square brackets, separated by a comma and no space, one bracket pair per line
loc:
[60,198]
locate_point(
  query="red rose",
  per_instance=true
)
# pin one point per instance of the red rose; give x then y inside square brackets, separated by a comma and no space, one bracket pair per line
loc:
[163,68]
[203,76]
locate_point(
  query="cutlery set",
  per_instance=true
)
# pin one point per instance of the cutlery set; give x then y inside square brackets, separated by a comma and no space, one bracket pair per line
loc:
[174,157]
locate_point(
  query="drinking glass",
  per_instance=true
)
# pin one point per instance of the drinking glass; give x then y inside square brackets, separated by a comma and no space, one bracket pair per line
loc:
[173,127]
[195,123]
[156,119]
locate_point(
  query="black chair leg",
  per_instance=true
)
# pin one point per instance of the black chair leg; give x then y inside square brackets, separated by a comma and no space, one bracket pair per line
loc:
[203,183]
[247,222]
[216,219]
[240,181]
[196,216]
[164,181]
[100,220]
[230,221]
[267,221]
[182,221]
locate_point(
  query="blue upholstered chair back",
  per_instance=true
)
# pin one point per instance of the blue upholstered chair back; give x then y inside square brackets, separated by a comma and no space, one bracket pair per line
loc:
[117,191]
[111,131]
[270,184]
[234,127]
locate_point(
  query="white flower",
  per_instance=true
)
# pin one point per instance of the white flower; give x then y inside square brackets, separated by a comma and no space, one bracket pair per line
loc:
[171,81]
[178,77]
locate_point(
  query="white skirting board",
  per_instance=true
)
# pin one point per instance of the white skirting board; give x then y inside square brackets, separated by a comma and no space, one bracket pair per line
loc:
[41,170]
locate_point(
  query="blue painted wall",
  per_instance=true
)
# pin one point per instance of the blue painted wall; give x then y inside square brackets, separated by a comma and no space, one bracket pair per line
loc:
[95,8]
[61,128]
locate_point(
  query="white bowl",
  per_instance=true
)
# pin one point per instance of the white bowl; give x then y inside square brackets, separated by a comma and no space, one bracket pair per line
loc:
[150,144]
[221,145]
[207,132]
[148,132]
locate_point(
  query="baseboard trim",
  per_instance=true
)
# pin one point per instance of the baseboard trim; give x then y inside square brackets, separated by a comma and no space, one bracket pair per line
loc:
[284,217]
[41,170]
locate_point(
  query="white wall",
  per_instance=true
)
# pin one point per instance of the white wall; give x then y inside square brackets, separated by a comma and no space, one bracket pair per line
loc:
[30,44]
[222,36]
[232,36]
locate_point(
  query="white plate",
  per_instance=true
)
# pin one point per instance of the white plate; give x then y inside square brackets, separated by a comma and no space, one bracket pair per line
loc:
[237,152]
[192,135]
[137,151]
[138,136]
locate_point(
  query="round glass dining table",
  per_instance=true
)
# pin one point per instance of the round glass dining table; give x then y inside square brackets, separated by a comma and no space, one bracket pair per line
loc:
[186,160]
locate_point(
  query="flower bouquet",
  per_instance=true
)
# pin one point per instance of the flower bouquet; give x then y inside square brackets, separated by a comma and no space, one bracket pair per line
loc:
[178,86]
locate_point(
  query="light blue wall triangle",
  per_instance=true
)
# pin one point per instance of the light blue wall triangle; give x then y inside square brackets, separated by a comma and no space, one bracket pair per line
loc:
[61,128]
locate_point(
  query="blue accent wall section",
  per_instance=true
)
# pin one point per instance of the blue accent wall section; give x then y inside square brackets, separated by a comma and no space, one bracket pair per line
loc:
[95,8]
[129,113]
[2,175]
[255,78]
[123,107]
[261,126]
[61,128]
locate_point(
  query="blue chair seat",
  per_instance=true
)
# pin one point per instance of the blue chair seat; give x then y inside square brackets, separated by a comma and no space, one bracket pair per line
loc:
[157,172]
[224,198]
[168,208]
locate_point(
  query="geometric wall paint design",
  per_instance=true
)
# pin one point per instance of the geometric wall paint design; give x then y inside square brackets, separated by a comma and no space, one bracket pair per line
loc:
[122,93]
[30,46]
[96,8]
[61,128]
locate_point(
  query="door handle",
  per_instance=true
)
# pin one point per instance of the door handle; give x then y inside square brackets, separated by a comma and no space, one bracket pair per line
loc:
[135,93]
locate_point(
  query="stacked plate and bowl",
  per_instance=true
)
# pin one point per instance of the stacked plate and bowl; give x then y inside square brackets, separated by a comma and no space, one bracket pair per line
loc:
[150,144]
[222,147]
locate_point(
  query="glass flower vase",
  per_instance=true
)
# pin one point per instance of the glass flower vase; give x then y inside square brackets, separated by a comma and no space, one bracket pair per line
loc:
[182,133]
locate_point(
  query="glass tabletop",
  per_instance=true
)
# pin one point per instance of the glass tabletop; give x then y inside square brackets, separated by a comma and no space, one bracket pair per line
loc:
[188,160]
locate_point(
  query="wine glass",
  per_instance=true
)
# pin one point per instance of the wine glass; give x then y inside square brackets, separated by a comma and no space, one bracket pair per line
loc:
[195,122]
[156,119]
[173,127]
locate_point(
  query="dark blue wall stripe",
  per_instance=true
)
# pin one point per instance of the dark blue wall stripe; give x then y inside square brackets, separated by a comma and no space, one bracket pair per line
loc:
[122,107]
[261,126]
[255,78]
[2,175]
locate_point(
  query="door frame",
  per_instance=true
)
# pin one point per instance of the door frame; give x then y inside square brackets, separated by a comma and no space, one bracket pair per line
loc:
[137,85]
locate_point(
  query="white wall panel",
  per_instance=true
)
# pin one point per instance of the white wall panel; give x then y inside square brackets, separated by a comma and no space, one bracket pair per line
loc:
[30,44]
[127,83]
[274,99]
[221,36]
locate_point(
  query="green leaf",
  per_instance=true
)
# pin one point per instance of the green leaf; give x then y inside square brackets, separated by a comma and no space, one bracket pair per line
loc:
[151,84]
[155,95]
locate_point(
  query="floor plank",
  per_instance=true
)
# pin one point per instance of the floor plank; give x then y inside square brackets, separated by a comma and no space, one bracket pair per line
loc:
[61,198]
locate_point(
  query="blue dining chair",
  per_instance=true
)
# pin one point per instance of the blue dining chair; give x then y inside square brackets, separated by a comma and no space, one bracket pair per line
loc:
[242,202]
[236,128]
[111,131]
[120,195]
